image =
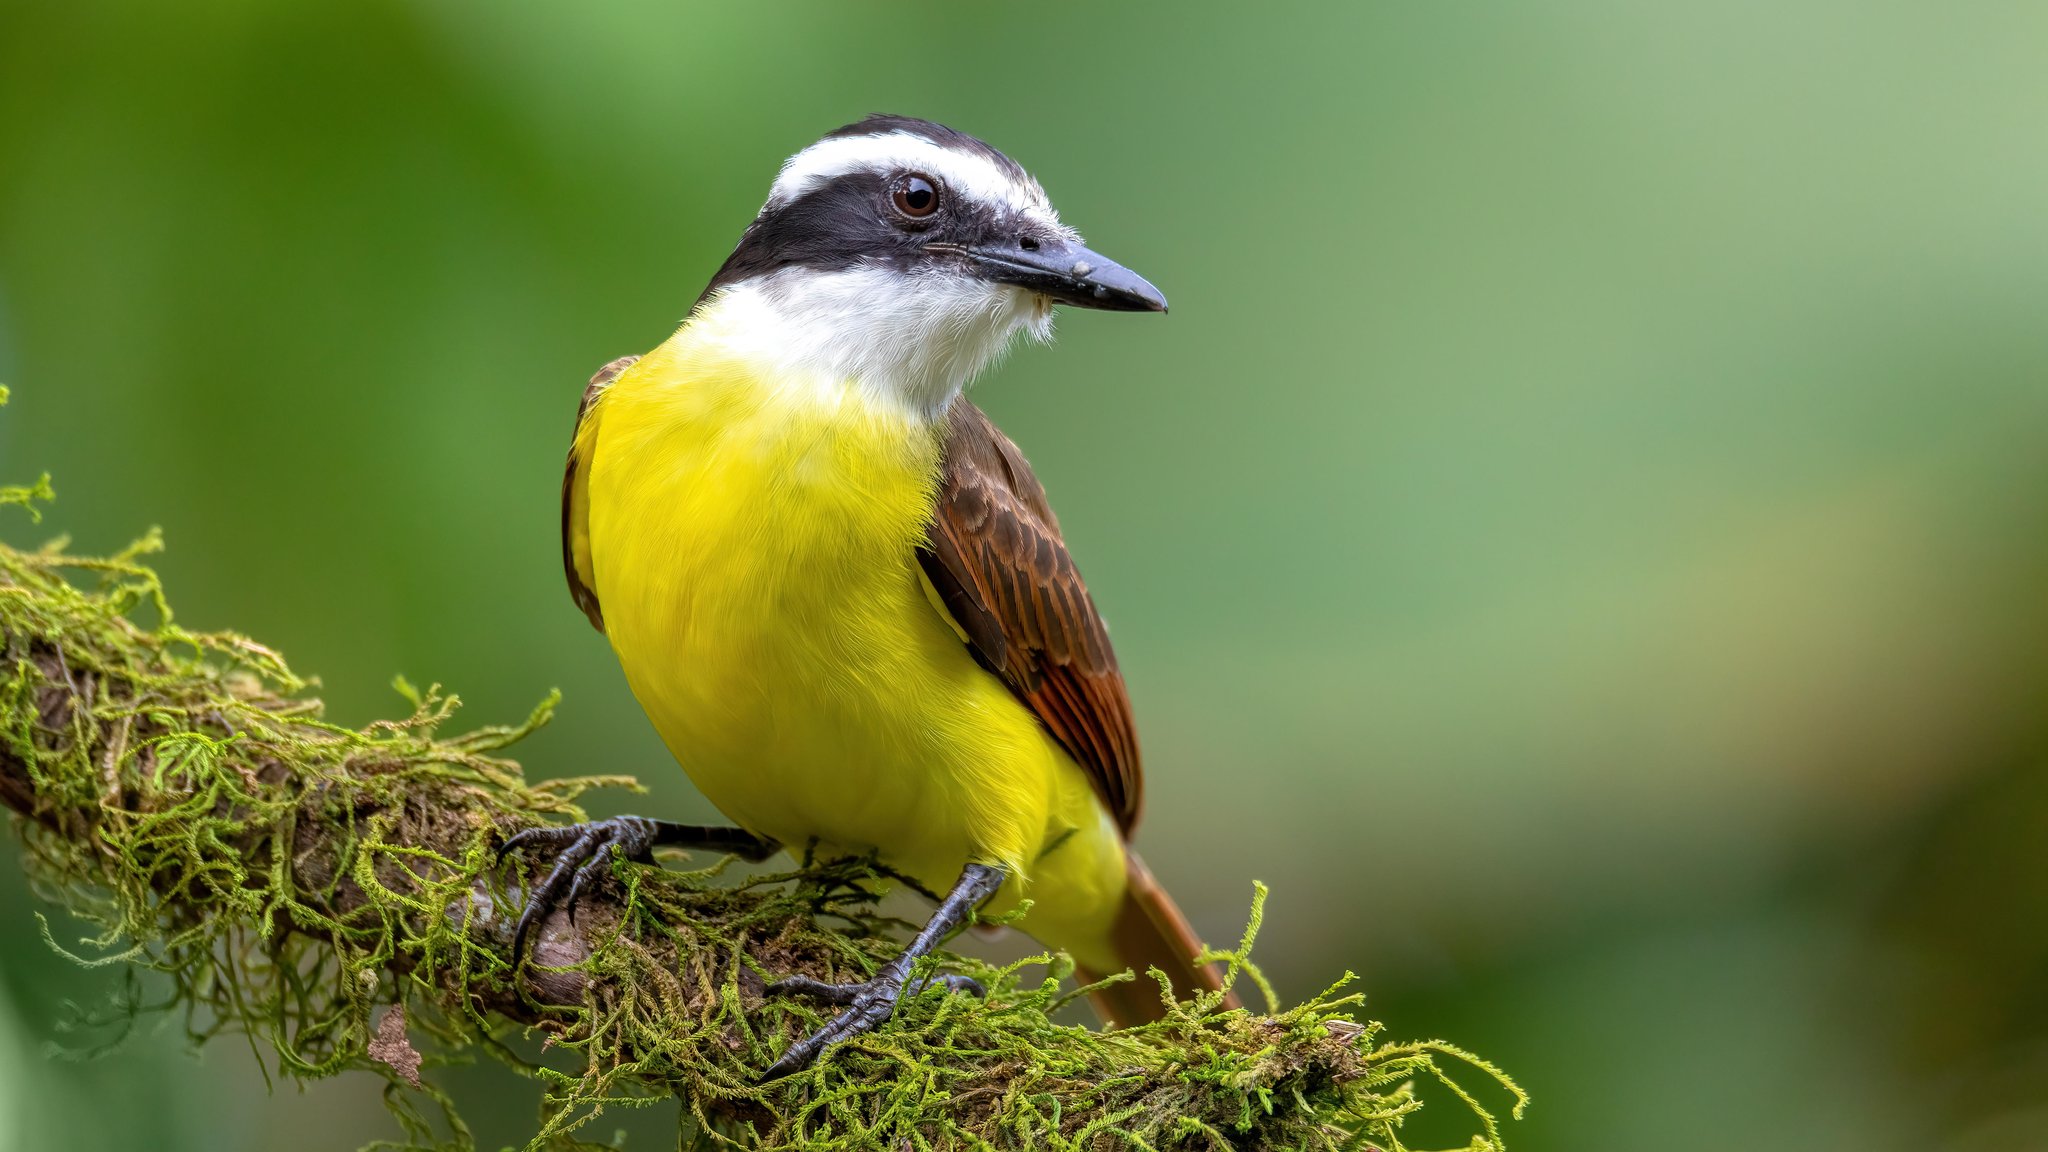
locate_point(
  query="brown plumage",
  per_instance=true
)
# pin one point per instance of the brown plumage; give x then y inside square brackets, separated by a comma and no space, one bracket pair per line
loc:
[996,558]
[1150,932]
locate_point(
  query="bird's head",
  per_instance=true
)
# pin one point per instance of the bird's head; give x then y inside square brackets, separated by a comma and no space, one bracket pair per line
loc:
[904,257]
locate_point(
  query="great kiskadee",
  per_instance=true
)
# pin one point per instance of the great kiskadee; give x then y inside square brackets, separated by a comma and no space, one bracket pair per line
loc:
[839,592]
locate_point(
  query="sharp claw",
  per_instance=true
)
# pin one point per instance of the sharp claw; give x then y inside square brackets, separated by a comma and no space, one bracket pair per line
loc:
[953,982]
[793,1061]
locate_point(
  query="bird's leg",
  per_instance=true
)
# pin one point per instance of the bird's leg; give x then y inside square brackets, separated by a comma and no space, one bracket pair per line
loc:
[583,852]
[871,1002]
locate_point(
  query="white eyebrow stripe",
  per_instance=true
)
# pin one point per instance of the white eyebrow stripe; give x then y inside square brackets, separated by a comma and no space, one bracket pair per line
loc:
[965,173]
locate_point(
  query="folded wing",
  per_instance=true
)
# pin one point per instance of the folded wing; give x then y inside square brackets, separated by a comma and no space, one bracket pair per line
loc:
[995,557]
[576,561]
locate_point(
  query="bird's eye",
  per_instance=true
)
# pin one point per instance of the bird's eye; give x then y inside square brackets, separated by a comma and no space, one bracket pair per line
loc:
[916,196]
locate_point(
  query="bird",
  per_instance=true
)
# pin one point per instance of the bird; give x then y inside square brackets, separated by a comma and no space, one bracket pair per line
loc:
[840,593]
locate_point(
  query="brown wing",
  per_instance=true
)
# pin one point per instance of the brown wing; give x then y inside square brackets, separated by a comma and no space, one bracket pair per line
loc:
[995,557]
[575,533]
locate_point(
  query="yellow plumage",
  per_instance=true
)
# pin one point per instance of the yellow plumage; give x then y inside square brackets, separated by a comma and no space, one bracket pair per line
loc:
[751,533]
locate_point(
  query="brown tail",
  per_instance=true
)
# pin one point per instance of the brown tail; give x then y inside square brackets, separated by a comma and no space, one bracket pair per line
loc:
[1151,933]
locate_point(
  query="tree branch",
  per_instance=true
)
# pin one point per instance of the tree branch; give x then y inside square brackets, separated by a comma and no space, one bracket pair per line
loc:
[292,878]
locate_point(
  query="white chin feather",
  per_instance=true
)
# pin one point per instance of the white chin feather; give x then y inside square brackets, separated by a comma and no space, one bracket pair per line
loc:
[1038,325]
[911,340]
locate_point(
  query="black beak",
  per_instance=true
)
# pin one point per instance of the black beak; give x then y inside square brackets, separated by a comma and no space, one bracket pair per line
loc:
[1069,273]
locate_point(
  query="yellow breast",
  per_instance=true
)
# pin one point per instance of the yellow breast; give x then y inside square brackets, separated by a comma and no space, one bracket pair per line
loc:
[752,538]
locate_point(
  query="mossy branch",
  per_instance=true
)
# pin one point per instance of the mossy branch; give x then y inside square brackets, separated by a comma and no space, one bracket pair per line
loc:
[333,894]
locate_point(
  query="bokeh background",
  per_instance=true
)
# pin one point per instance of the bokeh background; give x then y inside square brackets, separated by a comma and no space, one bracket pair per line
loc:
[1581,536]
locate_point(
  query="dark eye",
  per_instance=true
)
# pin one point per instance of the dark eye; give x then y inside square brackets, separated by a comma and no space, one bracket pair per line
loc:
[916,196]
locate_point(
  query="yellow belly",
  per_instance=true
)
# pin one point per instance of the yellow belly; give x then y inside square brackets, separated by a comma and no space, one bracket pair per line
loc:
[753,545]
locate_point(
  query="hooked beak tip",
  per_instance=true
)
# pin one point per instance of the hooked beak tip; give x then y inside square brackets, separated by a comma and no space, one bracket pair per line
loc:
[1076,276]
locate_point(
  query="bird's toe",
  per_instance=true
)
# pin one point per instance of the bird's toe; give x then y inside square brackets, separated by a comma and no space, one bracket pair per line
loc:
[869,1005]
[583,854]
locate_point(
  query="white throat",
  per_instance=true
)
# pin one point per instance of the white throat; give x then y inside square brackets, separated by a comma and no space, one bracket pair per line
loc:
[907,340]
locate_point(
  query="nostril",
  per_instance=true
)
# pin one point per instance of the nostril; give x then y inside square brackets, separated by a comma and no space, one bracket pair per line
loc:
[1028,243]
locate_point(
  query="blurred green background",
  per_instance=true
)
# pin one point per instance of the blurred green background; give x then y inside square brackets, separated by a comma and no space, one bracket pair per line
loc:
[1582,534]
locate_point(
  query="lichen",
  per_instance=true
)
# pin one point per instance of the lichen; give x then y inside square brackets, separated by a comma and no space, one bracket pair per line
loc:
[291,879]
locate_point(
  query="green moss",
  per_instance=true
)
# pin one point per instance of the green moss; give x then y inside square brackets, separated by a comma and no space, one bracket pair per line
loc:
[290,878]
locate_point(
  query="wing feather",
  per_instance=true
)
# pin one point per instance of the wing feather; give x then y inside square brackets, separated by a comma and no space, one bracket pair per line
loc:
[995,557]
[576,559]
